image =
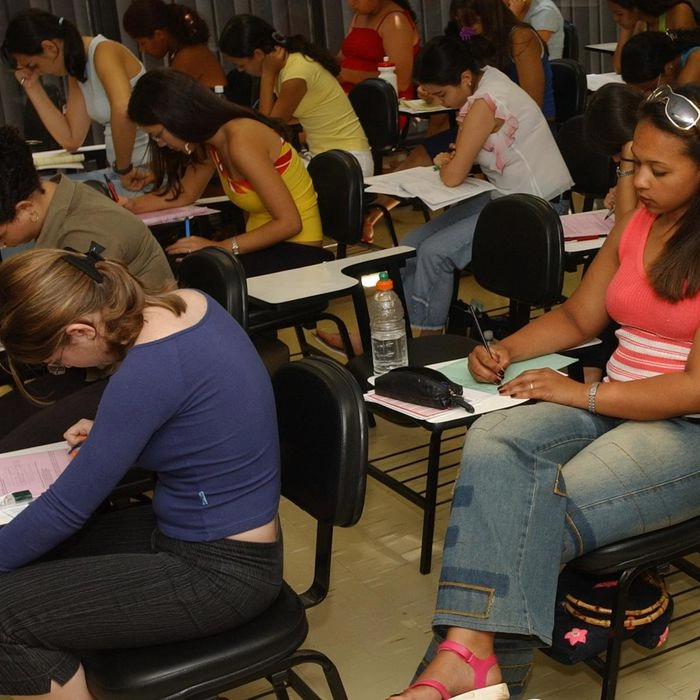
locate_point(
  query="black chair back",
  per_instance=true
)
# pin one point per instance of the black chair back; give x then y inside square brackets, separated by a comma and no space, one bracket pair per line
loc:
[100,186]
[570,89]
[220,274]
[518,253]
[570,41]
[338,181]
[377,108]
[593,173]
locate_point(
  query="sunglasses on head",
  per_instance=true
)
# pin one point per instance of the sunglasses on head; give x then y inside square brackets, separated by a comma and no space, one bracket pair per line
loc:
[680,111]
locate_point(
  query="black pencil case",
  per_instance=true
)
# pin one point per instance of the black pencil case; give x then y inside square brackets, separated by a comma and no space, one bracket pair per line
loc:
[421,385]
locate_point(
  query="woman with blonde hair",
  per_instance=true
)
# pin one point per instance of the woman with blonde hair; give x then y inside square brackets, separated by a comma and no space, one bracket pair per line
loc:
[73,575]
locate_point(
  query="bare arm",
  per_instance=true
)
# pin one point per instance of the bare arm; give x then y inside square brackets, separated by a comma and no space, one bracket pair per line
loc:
[623,37]
[291,91]
[398,37]
[193,183]
[70,127]
[527,54]
[478,123]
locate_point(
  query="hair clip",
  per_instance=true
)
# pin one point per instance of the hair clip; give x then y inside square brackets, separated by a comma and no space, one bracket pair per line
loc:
[278,38]
[87,262]
[467,33]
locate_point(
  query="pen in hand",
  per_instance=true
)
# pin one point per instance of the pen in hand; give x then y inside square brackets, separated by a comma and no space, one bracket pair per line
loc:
[482,337]
[111,189]
[611,211]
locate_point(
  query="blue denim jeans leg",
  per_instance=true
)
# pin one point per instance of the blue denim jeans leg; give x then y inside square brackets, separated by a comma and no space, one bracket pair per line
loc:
[443,245]
[542,484]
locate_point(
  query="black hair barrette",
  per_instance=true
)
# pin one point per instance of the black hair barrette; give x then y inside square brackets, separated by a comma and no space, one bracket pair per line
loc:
[87,262]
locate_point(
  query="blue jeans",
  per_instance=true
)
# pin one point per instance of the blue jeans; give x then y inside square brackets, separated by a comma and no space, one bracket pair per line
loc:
[540,485]
[442,245]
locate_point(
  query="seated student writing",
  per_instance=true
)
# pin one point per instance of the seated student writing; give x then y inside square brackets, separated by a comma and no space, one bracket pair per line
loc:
[76,579]
[297,84]
[194,134]
[101,74]
[601,462]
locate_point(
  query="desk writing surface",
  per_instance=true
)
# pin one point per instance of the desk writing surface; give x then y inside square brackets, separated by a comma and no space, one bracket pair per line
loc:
[606,47]
[595,81]
[323,279]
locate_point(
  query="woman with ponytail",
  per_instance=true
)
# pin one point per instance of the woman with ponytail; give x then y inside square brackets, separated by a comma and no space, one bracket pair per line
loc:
[175,31]
[101,74]
[297,83]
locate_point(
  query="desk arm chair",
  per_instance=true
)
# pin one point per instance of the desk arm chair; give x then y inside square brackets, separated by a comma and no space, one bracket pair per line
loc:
[338,181]
[220,274]
[569,87]
[628,559]
[571,43]
[593,173]
[323,441]
[518,253]
[377,108]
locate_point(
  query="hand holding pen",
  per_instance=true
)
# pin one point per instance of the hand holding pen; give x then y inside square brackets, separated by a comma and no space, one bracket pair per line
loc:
[486,363]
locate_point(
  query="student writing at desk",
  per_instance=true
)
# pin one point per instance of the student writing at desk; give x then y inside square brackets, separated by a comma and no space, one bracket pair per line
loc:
[600,462]
[100,73]
[72,578]
[194,134]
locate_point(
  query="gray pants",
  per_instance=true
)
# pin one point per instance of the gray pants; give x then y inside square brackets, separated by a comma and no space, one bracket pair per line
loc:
[121,583]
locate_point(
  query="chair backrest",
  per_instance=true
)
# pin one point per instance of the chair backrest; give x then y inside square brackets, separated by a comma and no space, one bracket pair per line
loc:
[570,41]
[377,108]
[518,252]
[99,186]
[338,181]
[322,425]
[570,89]
[593,173]
[220,274]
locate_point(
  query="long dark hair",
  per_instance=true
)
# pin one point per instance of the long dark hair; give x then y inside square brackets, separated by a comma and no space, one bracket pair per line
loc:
[189,111]
[143,17]
[497,22]
[243,34]
[18,176]
[675,275]
[443,60]
[610,117]
[645,54]
[28,29]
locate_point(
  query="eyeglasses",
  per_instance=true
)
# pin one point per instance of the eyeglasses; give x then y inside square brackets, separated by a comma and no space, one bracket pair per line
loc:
[57,368]
[680,111]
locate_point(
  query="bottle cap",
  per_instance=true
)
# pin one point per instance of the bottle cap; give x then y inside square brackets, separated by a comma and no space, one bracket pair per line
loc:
[384,282]
[386,63]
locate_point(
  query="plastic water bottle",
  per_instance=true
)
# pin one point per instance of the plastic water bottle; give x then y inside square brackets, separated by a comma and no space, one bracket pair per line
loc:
[387,328]
[387,72]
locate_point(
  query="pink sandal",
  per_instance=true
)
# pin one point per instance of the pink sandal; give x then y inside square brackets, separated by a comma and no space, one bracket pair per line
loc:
[481,668]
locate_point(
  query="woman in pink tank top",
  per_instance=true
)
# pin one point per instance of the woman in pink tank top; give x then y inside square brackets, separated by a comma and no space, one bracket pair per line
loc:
[584,465]
[379,28]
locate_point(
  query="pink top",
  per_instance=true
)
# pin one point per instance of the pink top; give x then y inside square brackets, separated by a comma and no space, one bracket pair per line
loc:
[655,335]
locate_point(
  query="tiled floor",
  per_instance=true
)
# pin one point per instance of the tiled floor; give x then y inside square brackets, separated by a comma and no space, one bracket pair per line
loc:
[375,624]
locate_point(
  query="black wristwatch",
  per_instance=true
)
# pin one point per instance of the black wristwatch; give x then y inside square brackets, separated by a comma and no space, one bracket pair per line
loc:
[122,171]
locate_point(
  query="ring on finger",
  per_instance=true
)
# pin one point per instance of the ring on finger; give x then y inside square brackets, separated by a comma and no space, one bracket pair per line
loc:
[531,386]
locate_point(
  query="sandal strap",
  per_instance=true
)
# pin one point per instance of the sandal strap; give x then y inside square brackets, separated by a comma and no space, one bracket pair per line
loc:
[480,666]
[435,685]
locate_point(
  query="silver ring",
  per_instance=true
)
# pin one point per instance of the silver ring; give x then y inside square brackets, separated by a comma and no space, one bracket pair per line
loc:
[531,386]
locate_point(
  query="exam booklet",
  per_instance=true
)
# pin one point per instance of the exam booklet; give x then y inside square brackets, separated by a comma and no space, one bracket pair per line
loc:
[33,469]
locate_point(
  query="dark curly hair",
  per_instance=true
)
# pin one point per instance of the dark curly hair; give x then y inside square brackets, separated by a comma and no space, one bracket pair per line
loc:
[18,176]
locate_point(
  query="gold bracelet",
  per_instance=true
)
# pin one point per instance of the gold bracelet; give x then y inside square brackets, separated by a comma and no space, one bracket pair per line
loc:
[592,392]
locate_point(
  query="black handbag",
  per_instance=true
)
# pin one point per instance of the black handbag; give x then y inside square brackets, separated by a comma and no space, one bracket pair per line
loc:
[423,386]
